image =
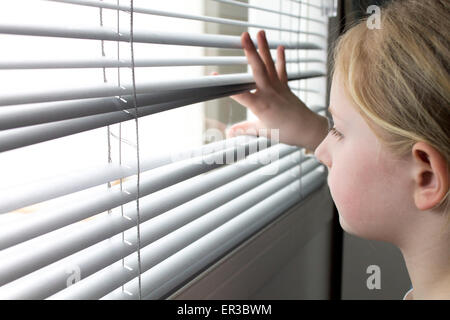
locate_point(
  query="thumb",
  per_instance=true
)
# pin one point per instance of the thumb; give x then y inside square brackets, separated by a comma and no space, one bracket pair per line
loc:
[251,128]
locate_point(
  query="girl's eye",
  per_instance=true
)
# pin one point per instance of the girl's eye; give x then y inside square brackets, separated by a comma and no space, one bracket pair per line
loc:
[336,133]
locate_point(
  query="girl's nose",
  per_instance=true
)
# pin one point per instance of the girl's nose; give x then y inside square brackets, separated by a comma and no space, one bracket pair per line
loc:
[322,153]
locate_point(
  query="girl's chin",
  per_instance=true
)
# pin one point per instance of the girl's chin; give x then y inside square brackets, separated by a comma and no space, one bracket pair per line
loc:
[344,225]
[351,230]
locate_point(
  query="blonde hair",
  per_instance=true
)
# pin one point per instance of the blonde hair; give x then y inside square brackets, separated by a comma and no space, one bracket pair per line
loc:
[399,75]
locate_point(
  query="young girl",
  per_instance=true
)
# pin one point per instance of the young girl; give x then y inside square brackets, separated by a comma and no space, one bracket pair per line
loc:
[388,153]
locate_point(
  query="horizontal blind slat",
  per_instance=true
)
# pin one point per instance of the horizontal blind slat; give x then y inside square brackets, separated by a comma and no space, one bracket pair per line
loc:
[19,261]
[223,242]
[17,197]
[93,203]
[48,281]
[32,123]
[310,4]
[32,114]
[151,255]
[149,11]
[147,36]
[139,63]
[168,274]
[20,137]
[110,90]
[281,13]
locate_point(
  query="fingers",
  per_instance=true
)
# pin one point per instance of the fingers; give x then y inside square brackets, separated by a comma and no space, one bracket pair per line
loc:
[216,124]
[264,52]
[245,128]
[247,99]
[255,61]
[281,65]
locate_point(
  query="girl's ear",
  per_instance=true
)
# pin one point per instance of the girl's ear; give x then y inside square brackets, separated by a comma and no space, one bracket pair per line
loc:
[431,176]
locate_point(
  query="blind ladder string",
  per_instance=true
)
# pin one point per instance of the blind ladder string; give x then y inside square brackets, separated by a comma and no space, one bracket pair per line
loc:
[120,139]
[297,51]
[299,26]
[291,54]
[307,53]
[108,129]
[133,76]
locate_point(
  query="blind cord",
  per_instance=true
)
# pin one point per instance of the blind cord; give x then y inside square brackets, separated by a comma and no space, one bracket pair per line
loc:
[120,139]
[133,76]
[108,129]
[102,44]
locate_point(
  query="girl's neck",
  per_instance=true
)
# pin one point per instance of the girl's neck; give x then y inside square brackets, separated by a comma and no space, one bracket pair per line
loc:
[427,257]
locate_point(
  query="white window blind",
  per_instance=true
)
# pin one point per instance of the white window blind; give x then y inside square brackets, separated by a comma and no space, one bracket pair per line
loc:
[137,212]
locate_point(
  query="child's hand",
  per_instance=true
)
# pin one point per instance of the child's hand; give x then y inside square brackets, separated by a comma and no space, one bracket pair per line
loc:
[273,102]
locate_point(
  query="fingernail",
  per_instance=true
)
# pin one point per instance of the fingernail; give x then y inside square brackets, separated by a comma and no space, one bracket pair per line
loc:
[248,42]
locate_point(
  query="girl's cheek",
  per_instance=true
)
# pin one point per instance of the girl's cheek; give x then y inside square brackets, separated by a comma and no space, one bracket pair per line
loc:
[349,181]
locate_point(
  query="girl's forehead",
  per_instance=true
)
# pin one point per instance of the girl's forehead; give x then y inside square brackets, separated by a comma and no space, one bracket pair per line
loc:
[340,104]
[344,109]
